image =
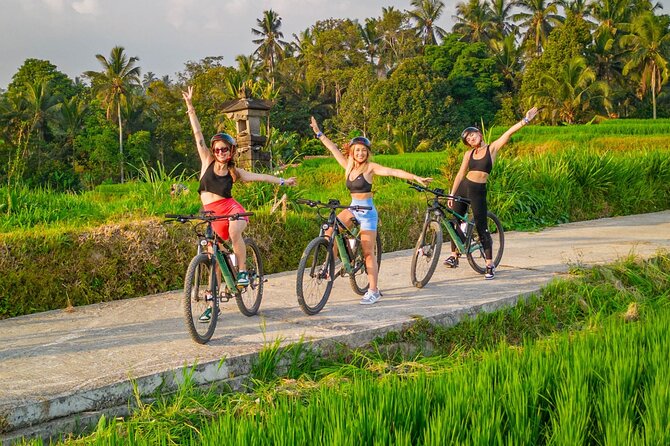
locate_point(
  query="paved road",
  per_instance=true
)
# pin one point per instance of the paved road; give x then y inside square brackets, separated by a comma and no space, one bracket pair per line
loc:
[58,364]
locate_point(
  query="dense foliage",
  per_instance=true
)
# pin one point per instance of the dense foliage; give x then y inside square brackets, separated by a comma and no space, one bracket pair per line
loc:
[398,78]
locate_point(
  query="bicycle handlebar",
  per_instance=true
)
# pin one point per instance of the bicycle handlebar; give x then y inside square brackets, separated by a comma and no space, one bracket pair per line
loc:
[332,204]
[439,193]
[207,216]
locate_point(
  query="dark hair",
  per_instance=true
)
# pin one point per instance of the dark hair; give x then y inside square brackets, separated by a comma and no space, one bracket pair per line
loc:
[467,131]
[361,140]
[225,137]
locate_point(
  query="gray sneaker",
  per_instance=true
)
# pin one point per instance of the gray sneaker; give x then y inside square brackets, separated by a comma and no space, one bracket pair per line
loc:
[371,297]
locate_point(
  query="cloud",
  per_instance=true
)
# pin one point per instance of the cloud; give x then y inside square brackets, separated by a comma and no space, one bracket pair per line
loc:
[86,7]
[179,12]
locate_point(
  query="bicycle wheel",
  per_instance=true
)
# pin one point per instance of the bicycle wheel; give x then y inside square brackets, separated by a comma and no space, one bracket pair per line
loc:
[200,289]
[476,257]
[359,279]
[315,276]
[249,298]
[426,254]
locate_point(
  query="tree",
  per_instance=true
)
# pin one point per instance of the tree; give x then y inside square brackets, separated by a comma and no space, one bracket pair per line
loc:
[425,14]
[539,18]
[649,43]
[501,12]
[473,20]
[113,85]
[270,45]
[568,95]
[398,40]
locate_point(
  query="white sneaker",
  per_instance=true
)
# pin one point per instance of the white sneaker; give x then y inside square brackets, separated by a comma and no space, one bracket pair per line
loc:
[371,297]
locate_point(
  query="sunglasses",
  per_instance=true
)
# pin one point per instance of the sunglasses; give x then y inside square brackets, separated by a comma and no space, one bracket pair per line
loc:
[218,150]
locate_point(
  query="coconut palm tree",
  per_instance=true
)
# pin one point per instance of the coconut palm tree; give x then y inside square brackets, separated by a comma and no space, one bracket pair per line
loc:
[114,85]
[270,46]
[570,93]
[425,14]
[649,43]
[501,18]
[473,20]
[538,18]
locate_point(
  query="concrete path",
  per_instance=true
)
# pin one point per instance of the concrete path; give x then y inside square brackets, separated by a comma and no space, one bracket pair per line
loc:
[59,369]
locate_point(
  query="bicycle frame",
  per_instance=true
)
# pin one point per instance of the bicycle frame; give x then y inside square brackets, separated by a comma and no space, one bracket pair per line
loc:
[337,238]
[438,212]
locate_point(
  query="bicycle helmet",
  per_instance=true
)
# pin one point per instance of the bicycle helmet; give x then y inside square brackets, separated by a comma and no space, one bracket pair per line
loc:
[467,131]
[361,140]
[225,137]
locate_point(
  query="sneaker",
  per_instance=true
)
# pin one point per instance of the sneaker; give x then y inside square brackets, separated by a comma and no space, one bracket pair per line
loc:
[242,279]
[206,316]
[371,297]
[490,272]
[451,262]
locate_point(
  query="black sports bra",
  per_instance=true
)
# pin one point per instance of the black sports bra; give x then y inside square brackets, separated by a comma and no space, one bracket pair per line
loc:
[485,164]
[359,186]
[221,185]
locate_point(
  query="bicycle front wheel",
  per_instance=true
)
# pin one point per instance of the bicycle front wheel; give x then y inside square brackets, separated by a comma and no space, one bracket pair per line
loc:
[359,279]
[201,307]
[315,276]
[249,298]
[476,257]
[426,254]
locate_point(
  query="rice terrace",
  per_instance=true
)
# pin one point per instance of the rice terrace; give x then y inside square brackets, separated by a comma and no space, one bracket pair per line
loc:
[567,345]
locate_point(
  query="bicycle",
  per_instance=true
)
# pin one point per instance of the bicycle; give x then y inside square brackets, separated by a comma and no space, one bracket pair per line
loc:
[438,219]
[316,271]
[202,289]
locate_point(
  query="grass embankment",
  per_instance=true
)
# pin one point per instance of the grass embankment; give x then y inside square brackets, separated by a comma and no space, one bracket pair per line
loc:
[584,362]
[59,242]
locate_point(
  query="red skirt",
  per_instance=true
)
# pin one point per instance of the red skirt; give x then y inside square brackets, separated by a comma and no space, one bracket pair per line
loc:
[225,206]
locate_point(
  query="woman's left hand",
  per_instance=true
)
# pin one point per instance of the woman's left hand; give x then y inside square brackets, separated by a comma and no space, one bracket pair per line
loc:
[530,114]
[423,181]
[291,181]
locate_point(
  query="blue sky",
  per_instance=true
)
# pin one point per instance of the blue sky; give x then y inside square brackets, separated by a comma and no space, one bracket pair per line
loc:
[164,34]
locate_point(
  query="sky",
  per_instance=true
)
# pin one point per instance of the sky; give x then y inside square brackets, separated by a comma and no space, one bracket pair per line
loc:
[163,34]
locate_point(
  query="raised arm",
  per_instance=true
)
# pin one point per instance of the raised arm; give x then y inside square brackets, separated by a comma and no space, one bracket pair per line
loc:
[252,176]
[205,155]
[384,171]
[498,143]
[330,145]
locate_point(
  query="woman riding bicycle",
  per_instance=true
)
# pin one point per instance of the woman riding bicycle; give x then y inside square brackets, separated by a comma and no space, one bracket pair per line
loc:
[359,173]
[217,175]
[478,162]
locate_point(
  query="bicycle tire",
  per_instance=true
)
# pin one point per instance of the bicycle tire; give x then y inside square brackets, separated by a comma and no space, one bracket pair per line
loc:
[426,254]
[476,258]
[200,291]
[249,298]
[315,276]
[359,280]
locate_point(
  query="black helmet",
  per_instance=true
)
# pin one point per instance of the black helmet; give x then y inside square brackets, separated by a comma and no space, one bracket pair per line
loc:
[467,131]
[225,137]
[361,140]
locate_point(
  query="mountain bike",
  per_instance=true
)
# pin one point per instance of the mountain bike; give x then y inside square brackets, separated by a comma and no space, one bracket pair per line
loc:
[439,219]
[317,270]
[203,289]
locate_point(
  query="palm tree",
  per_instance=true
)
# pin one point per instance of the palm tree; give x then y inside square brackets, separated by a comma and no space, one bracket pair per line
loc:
[571,92]
[270,45]
[371,39]
[473,20]
[539,18]
[114,84]
[580,8]
[501,11]
[649,43]
[425,14]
